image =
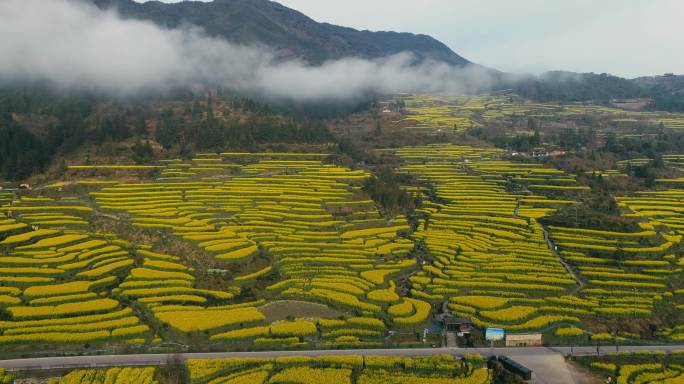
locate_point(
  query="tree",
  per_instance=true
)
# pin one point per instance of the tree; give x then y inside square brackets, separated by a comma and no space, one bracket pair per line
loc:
[168,132]
[142,152]
[210,110]
[378,128]
[385,188]
[536,139]
[210,134]
[140,126]
[21,153]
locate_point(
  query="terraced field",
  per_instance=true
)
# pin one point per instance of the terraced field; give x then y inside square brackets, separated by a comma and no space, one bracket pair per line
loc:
[638,368]
[112,375]
[630,284]
[676,122]
[454,114]
[663,212]
[674,160]
[295,229]
[292,229]
[340,369]
[670,160]
[6,377]
[324,244]
[287,251]
[56,279]
[433,114]
[492,262]
[352,369]
[5,197]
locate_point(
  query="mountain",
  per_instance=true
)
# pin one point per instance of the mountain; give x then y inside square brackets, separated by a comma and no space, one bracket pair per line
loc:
[571,86]
[287,30]
[666,93]
[669,83]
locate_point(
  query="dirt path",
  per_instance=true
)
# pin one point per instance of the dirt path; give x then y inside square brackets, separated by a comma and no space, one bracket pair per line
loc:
[582,375]
[552,247]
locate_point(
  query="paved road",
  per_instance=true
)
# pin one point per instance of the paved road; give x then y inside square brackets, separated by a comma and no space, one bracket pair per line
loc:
[547,369]
[157,359]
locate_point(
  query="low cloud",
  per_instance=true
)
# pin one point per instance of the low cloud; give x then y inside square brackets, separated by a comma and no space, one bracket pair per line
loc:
[75,45]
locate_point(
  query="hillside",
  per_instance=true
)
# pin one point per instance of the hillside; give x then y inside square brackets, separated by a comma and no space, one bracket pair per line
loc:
[291,32]
[666,92]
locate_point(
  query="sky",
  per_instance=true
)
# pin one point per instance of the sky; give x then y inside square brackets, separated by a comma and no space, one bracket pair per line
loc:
[628,38]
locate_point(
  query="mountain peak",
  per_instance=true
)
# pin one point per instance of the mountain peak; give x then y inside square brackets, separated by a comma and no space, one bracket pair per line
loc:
[272,24]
